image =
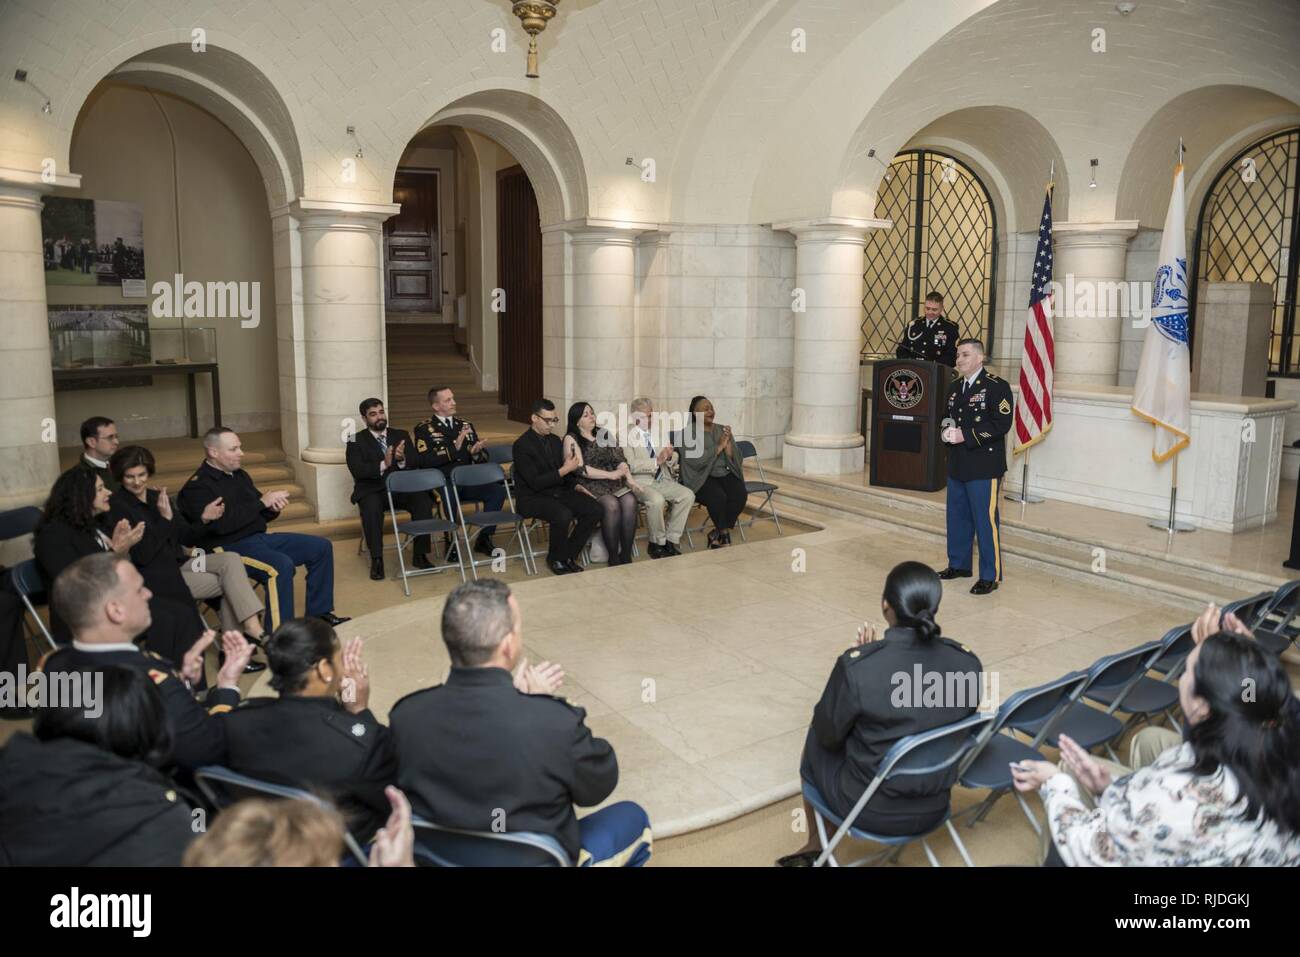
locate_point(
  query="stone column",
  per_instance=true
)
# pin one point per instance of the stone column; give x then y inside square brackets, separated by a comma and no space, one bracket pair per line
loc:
[29,453]
[1089,266]
[341,360]
[589,314]
[824,437]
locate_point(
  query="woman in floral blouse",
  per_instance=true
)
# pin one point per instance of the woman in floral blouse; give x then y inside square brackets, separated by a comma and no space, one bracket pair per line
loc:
[1227,796]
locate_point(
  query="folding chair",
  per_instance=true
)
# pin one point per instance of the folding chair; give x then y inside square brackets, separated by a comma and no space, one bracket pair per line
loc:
[1275,626]
[223,787]
[1091,727]
[438,846]
[419,480]
[25,577]
[761,487]
[1250,610]
[487,474]
[930,752]
[270,587]
[502,455]
[987,766]
[1147,696]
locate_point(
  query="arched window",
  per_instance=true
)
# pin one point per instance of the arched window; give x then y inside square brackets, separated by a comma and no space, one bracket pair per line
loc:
[942,239]
[1247,231]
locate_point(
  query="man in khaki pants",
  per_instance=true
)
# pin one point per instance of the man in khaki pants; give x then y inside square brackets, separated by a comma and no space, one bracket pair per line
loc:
[652,468]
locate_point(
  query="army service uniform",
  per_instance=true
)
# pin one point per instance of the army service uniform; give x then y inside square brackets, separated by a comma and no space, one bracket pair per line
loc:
[877,694]
[935,340]
[435,448]
[982,410]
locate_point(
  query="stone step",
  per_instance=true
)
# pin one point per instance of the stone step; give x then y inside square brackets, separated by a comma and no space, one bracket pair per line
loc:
[1180,581]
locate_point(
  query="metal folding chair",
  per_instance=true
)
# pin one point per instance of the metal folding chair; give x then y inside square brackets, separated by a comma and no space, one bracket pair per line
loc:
[1092,727]
[223,787]
[1147,696]
[1276,626]
[987,766]
[929,752]
[270,587]
[487,474]
[419,480]
[502,455]
[25,578]
[761,487]
[438,846]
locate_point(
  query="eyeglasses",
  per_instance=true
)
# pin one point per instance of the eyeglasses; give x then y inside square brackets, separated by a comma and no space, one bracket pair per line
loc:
[550,421]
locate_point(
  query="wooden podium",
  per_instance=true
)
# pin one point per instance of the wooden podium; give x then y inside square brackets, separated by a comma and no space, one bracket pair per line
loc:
[908,405]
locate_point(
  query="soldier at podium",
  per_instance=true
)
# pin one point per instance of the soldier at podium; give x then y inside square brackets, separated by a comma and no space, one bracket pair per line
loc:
[979,405]
[931,336]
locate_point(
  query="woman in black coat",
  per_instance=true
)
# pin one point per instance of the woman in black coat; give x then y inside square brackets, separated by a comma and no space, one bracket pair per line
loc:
[87,791]
[73,527]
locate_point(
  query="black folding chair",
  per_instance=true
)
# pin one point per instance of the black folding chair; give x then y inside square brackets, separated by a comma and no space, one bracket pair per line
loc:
[761,487]
[419,480]
[438,846]
[929,752]
[1146,696]
[25,578]
[988,766]
[1093,727]
[1275,626]
[223,787]
[488,473]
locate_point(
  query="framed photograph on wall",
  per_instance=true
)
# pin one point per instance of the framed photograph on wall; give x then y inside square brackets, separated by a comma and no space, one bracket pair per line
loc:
[92,242]
[100,337]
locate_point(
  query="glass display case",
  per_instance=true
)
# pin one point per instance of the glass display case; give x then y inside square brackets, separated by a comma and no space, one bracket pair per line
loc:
[197,344]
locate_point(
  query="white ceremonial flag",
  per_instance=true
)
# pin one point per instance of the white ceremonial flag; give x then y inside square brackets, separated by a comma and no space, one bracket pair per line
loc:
[1162,393]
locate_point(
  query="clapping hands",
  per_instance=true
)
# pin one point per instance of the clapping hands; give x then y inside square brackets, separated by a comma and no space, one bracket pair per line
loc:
[126,536]
[545,678]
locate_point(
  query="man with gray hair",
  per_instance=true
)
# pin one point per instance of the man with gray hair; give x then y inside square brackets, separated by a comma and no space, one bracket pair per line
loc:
[652,466]
[493,750]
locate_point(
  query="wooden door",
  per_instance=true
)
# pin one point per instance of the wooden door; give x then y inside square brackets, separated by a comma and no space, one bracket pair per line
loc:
[519,274]
[412,280]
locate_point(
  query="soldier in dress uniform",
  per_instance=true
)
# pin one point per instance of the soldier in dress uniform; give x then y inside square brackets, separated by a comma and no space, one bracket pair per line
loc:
[979,403]
[444,441]
[106,605]
[909,680]
[931,336]
[493,750]
[319,734]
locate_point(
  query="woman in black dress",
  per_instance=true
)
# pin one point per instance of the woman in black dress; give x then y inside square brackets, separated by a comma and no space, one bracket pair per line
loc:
[607,478]
[73,526]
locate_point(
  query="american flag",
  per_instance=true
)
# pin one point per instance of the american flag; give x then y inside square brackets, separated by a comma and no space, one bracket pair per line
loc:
[1034,410]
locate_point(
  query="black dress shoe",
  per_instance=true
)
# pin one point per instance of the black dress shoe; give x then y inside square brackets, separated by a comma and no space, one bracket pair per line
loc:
[377,570]
[951,572]
[672,548]
[558,568]
[484,546]
[254,666]
[572,566]
[983,587]
[332,619]
[655,550]
[420,562]
[452,556]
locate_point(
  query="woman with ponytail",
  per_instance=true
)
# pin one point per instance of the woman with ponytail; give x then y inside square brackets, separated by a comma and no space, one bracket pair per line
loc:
[1227,795]
[909,680]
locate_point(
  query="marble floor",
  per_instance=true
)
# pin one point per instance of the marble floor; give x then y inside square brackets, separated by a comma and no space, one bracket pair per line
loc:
[702,670]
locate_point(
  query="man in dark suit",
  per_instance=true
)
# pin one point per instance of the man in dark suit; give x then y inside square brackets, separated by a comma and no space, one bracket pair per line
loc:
[545,488]
[931,336]
[979,403]
[99,442]
[374,452]
[444,441]
[494,750]
[105,603]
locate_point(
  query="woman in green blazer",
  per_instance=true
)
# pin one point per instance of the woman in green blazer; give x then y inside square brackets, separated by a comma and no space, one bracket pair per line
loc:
[711,468]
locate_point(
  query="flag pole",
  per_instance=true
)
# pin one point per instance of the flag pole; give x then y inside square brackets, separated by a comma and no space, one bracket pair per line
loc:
[1173,525]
